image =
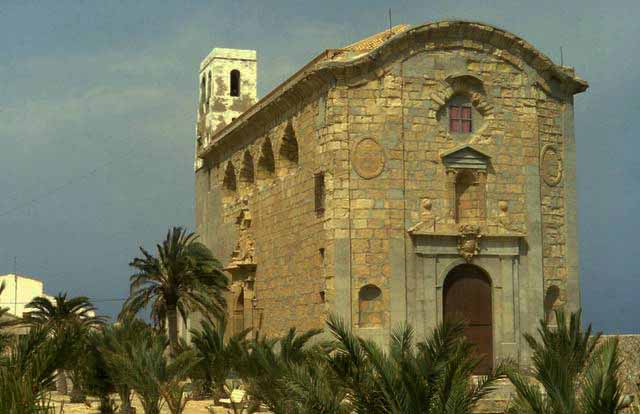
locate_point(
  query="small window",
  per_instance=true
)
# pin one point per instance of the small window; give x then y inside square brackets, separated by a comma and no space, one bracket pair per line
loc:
[460,117]
[235,83]
[322,263]
[319,192]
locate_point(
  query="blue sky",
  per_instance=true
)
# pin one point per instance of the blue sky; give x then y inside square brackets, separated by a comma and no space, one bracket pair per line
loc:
[98,100]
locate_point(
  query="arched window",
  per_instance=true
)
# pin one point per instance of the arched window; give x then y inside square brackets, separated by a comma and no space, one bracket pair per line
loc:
[209,90]
[235,83]
[460,115]
[370,306]
[203,90]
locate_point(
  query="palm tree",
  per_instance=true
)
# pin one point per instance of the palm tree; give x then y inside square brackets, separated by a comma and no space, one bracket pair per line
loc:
[121,338]
[144,365]
[100,381]
[182,278]
[314,388]
[27,370]
[579,375]
[216,355]
[432,376]
[265,365]
[63,317]
[59,313]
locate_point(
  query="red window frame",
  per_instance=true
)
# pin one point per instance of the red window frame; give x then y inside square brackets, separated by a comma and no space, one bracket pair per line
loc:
[460,119]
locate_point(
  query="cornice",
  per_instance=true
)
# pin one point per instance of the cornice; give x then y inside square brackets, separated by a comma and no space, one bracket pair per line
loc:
[323,71]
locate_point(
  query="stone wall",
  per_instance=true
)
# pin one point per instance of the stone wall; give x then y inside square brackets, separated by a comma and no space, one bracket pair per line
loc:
[285,236]
[377,128]
[396,137]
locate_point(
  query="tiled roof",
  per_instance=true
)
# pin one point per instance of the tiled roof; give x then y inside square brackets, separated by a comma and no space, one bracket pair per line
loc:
[373,41]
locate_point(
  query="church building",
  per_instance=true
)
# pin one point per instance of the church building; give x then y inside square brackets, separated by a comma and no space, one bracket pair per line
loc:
[420,174]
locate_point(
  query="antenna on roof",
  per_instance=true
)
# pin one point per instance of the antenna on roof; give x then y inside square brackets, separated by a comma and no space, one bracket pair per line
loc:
[390,32]
[15,285]
[561,57]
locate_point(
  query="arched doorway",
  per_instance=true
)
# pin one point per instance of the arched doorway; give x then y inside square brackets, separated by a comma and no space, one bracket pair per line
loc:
[467,296]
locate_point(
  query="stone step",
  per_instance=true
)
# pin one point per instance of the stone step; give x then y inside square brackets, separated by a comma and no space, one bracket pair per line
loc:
[498,400]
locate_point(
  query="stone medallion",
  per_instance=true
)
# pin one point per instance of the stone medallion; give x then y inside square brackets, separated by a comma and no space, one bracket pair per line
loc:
[368,158]
[551,165]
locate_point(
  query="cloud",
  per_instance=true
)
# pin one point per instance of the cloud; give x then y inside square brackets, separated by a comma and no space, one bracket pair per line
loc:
[36,119]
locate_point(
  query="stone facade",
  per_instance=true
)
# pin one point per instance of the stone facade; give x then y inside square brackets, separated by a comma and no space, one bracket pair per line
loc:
[362,181]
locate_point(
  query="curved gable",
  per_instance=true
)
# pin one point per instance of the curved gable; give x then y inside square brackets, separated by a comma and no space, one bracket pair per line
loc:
[334,64]
[467,34]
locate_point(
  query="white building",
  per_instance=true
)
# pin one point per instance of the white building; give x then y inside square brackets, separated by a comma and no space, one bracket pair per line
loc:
[19,290]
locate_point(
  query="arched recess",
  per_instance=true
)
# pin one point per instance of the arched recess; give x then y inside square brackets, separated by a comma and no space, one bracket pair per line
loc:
[229,182]
[467,297]
[370,307]
[266,162]
[288,153]
[238,313]
[247,173]
[470,197]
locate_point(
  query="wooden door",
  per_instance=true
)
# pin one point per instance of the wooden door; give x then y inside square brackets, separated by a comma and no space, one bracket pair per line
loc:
[467,296]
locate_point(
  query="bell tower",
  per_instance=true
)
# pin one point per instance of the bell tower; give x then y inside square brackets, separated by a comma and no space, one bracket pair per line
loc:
[227,87]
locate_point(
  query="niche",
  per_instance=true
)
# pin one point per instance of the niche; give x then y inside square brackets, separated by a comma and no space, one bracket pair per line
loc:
[266,162]
[247,174]
[288,151]
[370,307]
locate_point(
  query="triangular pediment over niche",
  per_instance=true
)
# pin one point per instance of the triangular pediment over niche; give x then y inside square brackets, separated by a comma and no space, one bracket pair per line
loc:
[466,156]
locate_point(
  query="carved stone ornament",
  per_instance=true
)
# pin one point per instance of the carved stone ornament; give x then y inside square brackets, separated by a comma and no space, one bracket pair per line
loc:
[243,254]
[551,165]
[368,158]
[469,241]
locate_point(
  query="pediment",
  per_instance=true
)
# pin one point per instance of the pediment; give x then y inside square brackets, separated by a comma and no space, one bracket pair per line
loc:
[466,156]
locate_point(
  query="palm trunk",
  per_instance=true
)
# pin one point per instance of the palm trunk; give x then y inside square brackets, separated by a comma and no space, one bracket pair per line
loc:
[125,399]
[77,395]
[106,404]
[61,383]
[172,319]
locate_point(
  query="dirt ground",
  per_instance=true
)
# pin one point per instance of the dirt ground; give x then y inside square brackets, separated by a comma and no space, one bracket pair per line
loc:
[62,402]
